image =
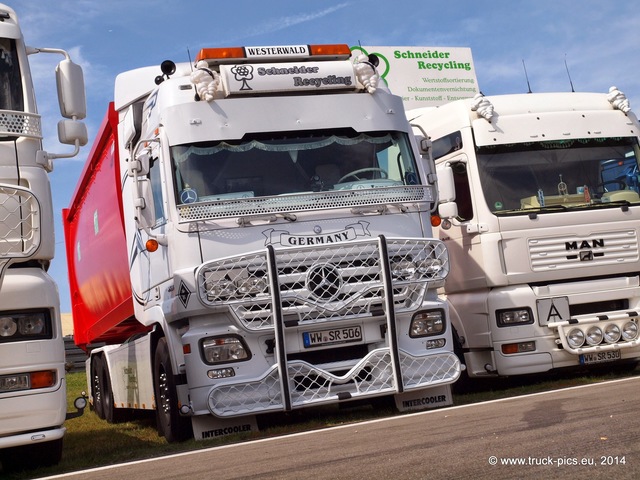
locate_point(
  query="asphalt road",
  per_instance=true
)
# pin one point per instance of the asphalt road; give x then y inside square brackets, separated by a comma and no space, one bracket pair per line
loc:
[589,432]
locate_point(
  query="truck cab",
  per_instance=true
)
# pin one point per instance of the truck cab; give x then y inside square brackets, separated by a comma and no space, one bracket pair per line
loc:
[539,206]
[33,396]
[274,243]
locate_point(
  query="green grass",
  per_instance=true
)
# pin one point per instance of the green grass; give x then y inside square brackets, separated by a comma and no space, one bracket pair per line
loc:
[91,442]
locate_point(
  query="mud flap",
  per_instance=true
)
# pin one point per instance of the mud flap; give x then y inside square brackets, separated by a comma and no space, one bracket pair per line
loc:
[207,426]
[433,397]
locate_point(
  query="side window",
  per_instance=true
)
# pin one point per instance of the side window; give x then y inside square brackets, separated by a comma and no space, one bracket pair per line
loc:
[446,145]
[10,78]
[463,192]
[156,188]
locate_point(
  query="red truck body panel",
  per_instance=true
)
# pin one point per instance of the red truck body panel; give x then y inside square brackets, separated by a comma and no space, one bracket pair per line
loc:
[97,258]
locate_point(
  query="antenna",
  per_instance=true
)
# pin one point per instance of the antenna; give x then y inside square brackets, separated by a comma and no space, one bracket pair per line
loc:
[189,55]
[526,76]
[568,74]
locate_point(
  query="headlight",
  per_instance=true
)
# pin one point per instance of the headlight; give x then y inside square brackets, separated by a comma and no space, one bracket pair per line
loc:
[8,326]
[594,336]
[235,285]
[512,317]
[25,326]
[630,331]
[575,338]
[224,350]
[429,268]
[424,324]
[612,333]
[403,270]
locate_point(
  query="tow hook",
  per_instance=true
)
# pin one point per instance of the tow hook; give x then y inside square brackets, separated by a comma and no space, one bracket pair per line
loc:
[80,403]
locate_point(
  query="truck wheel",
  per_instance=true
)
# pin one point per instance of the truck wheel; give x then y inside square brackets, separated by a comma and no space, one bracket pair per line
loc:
[171,425]
[110,413]
[97,388]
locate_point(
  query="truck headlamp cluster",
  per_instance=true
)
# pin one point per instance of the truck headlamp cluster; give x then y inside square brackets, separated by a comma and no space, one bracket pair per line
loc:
[425,324]
[24,326]
[28,381]
[514,317]
[424,269]
[595,335]
[216,350]
[240,287]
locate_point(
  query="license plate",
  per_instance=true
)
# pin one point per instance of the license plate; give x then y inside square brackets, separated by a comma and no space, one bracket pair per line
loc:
[332,336]
[600,357]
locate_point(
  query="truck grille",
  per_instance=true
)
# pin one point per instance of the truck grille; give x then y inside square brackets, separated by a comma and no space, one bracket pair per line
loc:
[324,283]
[573,251]
[20,124]
[305,202]
[19,222]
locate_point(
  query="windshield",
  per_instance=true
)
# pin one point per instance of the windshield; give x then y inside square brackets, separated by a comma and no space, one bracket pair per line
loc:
[10,79]
[558,175]
[292,163]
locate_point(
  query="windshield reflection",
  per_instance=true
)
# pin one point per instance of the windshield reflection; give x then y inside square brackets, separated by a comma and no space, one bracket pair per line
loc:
[292,163]
[559,175]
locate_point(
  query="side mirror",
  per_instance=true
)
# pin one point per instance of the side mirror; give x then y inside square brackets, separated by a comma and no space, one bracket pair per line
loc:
[140,164]
[71,96]
[70,131]
[145,208]
[424,144]
[447,207]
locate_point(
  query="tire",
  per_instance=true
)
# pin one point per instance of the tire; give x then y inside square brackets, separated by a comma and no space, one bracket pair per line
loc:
[173,426]
[97,386]
[110,412]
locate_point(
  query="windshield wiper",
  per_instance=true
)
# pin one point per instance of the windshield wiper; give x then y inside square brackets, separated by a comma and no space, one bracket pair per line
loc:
[532,211]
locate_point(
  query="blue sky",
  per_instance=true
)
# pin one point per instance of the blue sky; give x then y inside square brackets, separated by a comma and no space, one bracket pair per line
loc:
[600,42]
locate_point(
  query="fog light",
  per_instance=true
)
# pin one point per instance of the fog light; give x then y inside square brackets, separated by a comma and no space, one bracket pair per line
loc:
[438,343]
[612,333]
[630,331]
[575,338]
[219,373]
[594,336]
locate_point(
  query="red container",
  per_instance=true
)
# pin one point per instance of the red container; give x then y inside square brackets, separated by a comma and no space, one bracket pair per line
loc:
[97,254]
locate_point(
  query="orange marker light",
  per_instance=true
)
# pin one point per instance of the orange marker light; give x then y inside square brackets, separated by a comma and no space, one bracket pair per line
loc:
[510,348]
[220,53]
[338,49]
[435,221]
[43,379]
[152,245]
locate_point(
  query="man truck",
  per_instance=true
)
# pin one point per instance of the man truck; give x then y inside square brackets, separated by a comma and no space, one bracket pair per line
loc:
[251,234]
[539,209]
[33,399]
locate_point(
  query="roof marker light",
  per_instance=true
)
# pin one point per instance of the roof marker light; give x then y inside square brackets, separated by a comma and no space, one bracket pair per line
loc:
[220,53]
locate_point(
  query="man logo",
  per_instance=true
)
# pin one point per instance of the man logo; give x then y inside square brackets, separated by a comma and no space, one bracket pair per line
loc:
[586,256]
[584,244]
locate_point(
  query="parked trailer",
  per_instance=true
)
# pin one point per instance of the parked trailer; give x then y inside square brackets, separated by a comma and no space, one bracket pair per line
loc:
[33,397]
[251,234]
[539,208]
